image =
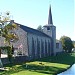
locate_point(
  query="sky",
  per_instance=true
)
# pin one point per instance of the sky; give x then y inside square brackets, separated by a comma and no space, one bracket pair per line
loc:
[33,13]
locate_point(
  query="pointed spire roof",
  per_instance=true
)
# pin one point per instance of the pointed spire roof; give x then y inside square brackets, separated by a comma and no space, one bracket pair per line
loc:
[50,21]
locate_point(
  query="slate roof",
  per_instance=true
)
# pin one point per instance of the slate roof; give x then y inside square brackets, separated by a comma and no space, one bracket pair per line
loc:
[33,31]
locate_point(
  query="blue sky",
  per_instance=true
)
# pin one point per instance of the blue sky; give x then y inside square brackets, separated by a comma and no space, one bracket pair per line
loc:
[33,13]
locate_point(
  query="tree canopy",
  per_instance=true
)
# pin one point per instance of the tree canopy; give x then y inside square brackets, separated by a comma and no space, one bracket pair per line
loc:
[6,28]
[39,28]
[67,43]
[74,43]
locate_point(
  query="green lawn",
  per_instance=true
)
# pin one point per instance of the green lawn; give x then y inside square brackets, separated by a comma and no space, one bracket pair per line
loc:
[45,66]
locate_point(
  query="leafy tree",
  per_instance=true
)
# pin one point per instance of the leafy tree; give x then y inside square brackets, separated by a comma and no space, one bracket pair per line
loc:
[39,28]
[5,31]
[73,43]
[67,43]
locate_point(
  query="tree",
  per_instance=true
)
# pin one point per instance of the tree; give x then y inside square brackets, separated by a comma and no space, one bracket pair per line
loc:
[73,43]
[67,43]
[5,31]
[39,28]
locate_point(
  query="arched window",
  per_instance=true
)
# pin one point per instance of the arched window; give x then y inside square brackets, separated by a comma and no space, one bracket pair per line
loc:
[57,45]
[48,47]
[48,28]
[42,49]
[33,48]
[45,48]
[38,48]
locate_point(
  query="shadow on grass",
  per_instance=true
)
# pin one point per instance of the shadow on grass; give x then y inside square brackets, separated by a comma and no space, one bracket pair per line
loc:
[34,68]
[44,69]
[62,58]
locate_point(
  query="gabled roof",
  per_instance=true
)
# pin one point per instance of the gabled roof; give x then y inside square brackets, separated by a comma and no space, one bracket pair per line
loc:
[33,31]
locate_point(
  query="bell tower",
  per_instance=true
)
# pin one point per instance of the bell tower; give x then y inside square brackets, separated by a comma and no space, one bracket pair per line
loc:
[50,30]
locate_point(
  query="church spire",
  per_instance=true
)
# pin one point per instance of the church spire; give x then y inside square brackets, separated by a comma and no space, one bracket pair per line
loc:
[50,17]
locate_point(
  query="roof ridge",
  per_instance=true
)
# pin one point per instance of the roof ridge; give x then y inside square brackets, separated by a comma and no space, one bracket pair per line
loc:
[29,29]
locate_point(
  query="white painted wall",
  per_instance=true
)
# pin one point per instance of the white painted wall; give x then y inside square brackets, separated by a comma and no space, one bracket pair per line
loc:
[30,36]
[60,49]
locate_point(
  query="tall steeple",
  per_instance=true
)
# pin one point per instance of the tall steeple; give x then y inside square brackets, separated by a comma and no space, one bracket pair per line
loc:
[50,30]
[50,21]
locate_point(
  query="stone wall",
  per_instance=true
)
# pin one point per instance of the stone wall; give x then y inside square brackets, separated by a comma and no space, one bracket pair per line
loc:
[21,44]
[17,59]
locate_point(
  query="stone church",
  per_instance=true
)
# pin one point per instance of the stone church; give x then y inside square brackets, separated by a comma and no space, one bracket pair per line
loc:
[36,44]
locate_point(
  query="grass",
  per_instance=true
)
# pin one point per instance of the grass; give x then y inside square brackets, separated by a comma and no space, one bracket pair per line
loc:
[45,66]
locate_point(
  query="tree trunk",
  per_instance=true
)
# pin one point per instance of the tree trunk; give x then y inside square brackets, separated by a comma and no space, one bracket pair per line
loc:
[0,53]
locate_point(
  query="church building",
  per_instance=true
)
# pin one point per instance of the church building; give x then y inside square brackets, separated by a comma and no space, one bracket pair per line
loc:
[33,43]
